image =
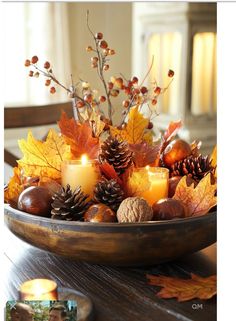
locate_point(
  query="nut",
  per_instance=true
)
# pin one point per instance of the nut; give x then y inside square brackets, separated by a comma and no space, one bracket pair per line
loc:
[134,209]
[168,209]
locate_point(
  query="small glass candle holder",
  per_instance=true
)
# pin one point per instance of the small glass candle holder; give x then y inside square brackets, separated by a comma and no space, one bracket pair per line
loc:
[159,183]
[39,289]
[82,173]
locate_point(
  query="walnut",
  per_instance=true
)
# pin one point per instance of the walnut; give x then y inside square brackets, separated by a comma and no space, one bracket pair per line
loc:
[134,209]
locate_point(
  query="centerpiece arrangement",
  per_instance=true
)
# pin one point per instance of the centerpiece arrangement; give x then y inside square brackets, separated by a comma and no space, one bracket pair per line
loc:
[98,171]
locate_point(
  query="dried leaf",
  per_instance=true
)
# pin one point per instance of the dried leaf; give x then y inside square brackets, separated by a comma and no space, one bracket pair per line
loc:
[213,160]
[109,172]
[135,131]
[184,289]
[198,200]
[43,158]
[137,183]
[14,187]
[172,130]
[144,154]
[79,137]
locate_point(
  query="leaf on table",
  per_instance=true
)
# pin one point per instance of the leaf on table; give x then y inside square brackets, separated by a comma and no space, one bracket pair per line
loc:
[135,130]
[198,200]
[43,158]
[14,187]
[144,154]
[109,172]
[184,289]
[79,137]
[137,183]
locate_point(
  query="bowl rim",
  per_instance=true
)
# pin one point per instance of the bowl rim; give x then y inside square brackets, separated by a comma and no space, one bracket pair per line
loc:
[26,217]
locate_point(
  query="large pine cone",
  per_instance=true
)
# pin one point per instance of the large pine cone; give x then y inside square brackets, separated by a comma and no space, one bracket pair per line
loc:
[116,153]
[195,167]
[68,205]
[109,193]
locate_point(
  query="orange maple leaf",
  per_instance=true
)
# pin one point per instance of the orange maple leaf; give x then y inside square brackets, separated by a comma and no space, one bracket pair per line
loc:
[184,289]
[135,130]
[79,137]
[14,187]
[198,200]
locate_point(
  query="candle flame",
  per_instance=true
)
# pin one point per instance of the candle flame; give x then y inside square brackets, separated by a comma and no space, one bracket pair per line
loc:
[84,159]
[147,167]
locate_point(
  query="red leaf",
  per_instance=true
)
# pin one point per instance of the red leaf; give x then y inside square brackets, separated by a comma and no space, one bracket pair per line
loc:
[144,154]
[79,137]
[109,172]
[172,130]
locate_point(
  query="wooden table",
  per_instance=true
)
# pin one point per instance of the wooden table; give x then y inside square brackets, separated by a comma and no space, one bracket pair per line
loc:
[118,294]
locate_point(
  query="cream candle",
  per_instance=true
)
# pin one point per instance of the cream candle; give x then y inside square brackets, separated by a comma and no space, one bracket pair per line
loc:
[159,182]
[39,289]
[80,173]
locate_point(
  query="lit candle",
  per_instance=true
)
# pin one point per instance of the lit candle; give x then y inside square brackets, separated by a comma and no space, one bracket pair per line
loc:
[159,182]
[80,173]
[39,289]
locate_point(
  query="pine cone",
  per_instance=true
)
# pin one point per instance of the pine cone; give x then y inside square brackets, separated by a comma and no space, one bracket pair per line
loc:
[109,193]
[68,205]
[195,167]
[116,153]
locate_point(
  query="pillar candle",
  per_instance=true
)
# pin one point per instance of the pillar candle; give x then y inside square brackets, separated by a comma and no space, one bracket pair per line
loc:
[39,289]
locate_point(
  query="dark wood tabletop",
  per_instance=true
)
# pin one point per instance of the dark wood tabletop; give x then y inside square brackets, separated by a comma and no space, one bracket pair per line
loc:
[118,294]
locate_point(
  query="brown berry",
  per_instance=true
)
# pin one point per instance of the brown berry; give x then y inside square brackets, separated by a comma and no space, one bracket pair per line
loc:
[105,67]
[27,63]
[134,80]
[118,82]
[88,98]
[102,99]
[110,85]
[171,73]
[89,48]
[143,90]
[99,35]
[150,125]
[34,59]
[31,73]
[136,91]
[111,52]
[154,101]
[47,82]
[47,65]
[52,90]
[36,74]
[103,44]
[168,209]
[94,59]
[125,103]
[177,150]
[80,104]
[114,92]
[35,200]
[157,90]
[94,65]
[98,213]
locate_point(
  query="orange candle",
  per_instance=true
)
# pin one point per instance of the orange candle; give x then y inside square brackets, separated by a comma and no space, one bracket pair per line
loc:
[80,173]
[39,289]
[159,182]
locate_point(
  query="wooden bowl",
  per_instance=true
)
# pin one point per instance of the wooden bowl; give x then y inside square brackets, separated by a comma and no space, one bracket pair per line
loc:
[120,244]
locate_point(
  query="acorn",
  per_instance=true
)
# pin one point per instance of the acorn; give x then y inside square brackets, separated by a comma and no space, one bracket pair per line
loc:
[175,151]
[35,200]
[168,209]
[98,213]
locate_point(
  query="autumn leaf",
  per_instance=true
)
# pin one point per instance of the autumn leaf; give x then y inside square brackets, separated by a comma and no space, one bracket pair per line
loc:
[43,158]
[79,137]
[135,130]
[213,160]
[137,183]
[144,154]
[172,130]
[184,289]
[198,200]
[14,187]
[109,172]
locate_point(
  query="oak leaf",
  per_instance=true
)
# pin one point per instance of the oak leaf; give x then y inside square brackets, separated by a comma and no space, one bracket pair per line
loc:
[184,289]
[43,158]
[14,187]
[135,130]
[79,137]
[198,200]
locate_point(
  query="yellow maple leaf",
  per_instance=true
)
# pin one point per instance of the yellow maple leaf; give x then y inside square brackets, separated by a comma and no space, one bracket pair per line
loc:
[43,157]
[198,200]
[137,183]
[14,187]
[135,131]
[214,159]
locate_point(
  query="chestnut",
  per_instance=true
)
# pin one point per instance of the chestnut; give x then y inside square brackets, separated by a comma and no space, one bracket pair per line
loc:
[173,182]
[168,209]
[35,200]
[175,151]
[98,213]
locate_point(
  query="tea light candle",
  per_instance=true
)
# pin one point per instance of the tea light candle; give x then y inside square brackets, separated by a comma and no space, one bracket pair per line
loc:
[80,173]
[39,289]
[159,182]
